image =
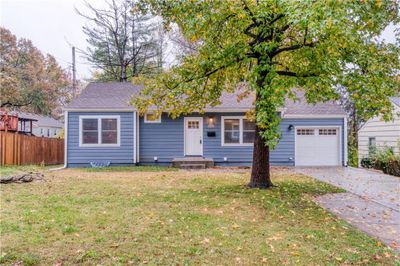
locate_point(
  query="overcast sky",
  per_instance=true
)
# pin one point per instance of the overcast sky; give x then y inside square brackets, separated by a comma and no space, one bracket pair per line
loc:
[53,26]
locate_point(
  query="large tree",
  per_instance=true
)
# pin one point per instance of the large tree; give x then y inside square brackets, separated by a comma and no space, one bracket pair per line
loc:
[30,80]
[368,73]
[123,41]
[274,46]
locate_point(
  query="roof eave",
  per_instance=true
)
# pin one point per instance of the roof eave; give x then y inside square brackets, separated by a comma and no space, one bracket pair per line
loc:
[314,115]
[99,109]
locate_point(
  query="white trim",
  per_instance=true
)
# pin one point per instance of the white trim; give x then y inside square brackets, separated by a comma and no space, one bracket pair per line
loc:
[158,121]
[134,137]
[99,129]
[316,116]
[137,137]
[234,110]
[240,144]
[238,110]
[346,159]
[200,119]
[65,138]
[322,127]
[86,110]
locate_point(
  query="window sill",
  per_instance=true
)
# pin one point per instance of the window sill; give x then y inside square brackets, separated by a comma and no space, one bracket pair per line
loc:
[238,145]
[99,145]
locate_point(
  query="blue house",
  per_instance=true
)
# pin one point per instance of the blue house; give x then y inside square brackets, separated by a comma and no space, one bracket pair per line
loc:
[101,126]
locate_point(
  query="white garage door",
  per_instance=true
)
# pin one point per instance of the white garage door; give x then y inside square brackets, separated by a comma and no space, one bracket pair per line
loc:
[317,146]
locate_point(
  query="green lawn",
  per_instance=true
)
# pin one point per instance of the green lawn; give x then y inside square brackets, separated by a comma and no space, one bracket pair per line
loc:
[9,170]
[131,169]
[176,218]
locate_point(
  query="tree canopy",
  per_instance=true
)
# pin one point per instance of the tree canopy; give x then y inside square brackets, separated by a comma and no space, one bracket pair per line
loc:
[30,80]
[123,41]
[277,47]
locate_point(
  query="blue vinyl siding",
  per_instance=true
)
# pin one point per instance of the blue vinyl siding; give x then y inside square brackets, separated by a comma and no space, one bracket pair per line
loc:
[165,141]
[82,156]
[162,140]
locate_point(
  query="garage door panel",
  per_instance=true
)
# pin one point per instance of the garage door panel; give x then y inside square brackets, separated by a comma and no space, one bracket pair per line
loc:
[317,147]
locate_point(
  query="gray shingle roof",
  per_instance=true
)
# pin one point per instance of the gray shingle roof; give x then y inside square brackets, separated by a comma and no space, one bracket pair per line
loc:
[116,95]
[42,121]
[301,107]
[105,95]
[395,100]
[230,101]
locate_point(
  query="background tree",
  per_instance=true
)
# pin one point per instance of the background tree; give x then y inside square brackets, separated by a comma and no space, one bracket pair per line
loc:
[29,80]
[274,46]
[183,47]
[122,40]
[373,76]
[9,82]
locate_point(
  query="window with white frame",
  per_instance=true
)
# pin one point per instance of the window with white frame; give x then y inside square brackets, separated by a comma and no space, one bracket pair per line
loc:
[371,142]
[152,118]
[237,131]
[99,131]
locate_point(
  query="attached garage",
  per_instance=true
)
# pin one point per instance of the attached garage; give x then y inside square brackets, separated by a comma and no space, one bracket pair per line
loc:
[318,146]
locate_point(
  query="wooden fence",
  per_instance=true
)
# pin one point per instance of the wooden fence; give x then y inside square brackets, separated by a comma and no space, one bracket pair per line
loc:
[19,149]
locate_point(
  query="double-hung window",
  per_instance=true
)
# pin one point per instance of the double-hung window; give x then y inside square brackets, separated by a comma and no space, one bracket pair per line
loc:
[371,145]
[99,131]
[237,131]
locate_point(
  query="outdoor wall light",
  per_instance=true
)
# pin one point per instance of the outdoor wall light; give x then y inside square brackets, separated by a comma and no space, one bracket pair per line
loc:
[290,128]
[211,121]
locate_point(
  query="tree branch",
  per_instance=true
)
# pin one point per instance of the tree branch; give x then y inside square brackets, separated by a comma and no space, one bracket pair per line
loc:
[278,17]
[247,31]
[8,103]
[248,10]
[297,75]
[291,48]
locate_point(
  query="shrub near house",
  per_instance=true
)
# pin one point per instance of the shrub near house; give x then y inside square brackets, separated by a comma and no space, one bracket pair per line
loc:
[383,159]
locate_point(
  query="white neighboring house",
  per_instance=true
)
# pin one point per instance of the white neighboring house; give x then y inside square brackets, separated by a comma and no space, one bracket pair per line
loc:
[45,126]
[376,132]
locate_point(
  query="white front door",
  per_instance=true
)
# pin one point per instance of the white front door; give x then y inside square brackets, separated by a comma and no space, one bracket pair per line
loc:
[317,146]
[194,136]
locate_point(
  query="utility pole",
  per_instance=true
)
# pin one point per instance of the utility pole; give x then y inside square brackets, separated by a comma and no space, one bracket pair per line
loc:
[73,71]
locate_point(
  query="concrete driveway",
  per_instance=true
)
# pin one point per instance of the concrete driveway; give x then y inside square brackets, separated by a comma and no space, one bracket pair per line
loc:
[372,204]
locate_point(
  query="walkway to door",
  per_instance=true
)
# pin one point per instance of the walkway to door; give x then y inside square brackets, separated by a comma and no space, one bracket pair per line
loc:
[372,204]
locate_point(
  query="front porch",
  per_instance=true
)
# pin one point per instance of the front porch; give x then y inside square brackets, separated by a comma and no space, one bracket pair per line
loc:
[192,162]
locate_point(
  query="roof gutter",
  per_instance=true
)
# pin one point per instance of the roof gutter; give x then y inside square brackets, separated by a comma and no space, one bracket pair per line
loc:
[98,110]
[314,116]
[65,139]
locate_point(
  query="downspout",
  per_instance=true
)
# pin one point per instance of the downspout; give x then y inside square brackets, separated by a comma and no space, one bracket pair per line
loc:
[345,141]
[134,138]
[137,138]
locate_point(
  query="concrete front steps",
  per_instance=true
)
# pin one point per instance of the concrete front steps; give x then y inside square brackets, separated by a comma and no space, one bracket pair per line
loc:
[195,162]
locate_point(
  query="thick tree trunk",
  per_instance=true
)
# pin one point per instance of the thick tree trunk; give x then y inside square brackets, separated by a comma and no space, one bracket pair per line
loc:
[123,76]
[260,172]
